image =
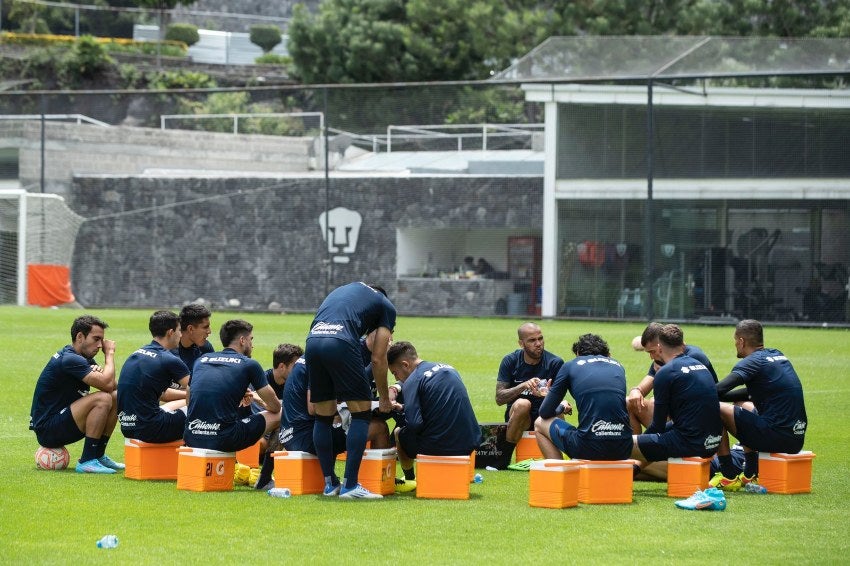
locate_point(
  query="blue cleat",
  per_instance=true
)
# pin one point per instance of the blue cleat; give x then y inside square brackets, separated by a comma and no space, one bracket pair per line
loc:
[712,499]
[93,466]
[110,463]
[331,490]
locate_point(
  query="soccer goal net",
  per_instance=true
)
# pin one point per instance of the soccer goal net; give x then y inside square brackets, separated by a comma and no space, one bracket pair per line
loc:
[37,235]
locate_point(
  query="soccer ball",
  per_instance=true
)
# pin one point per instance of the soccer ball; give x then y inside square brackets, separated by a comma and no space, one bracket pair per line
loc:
[52,458]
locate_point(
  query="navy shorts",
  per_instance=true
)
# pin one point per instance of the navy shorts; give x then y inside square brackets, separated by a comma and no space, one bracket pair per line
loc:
[59,430]
[569,440]
[304,442]
[165,427]
[412,446]
[336,371]
[242,434]
[753,432]
[670,444]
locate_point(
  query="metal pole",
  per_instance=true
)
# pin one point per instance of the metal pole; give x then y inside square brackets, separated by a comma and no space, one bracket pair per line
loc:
[159,38]
[77,22]
[22,249]
[1,15]
[43,124]
[649,236]
[328,259]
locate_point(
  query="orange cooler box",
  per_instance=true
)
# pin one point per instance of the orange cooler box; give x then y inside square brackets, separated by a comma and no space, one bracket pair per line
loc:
[150,461]
[442,477]
[250,456]
[200,469]
[786,473]
[527,447]
[553,483]
[605,481]
[298,471]
[377,470]
[686,475]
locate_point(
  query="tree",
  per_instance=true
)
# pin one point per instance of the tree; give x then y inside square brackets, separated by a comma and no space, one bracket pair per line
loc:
[436,40]
[266,37]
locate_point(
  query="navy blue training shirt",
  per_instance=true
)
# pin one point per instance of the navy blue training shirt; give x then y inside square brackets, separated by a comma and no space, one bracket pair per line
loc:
[598,385]
[514,370]
[145,376]
[296,422]
[59,385]
[352,311]
[775,390]
[438,411]
[697,354]
[218,384]
[685,391]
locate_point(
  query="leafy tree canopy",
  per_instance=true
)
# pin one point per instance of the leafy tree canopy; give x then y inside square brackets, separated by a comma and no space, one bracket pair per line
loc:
[350,41]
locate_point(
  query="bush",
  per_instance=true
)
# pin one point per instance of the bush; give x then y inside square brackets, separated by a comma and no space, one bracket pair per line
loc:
[265,36]
[273,59]
[187,33]
[85,59]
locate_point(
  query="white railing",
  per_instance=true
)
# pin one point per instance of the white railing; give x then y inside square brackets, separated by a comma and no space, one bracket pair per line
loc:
[78,118]
[236,117]
[460,132]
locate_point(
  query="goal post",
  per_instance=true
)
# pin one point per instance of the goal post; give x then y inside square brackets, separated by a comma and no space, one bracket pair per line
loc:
[37,235]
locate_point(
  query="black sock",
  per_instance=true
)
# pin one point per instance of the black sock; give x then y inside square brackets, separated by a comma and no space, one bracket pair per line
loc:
[751,464]
[265,472]
[505,460]
[104,440]
[635,470]
[727,466]
[409,474]
[91,446]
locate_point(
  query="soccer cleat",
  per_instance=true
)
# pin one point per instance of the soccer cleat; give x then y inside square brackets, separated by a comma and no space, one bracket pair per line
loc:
[253,476]
[93,466]
[522,465]
[734,484]
[331,490]
[712,499]
[110,463]
[358,492]
[241,474]
[404,486]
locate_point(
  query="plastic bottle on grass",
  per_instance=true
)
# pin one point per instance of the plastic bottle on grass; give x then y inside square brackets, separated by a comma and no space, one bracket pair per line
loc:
[280,492]
[755,488]
[478,478]
[108,541]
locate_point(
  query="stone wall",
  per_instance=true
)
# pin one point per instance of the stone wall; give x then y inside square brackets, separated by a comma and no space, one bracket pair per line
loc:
[164,242]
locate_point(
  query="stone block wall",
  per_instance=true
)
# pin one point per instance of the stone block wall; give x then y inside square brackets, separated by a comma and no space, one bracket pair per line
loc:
[164,241]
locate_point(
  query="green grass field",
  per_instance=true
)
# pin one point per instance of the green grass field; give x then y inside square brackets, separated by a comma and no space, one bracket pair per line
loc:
[56,517]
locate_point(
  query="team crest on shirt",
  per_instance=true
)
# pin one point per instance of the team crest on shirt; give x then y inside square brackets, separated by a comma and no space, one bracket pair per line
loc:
[800,428]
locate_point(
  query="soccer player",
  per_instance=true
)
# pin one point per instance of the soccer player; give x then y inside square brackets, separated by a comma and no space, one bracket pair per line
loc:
[145,381]
[298,416]
[597,382]
[779,422]
[335,366]
[219,385]
[63,408]
[438,413]
[686,394]
[284,359]
[640,408]
[194,329]
[522,375]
